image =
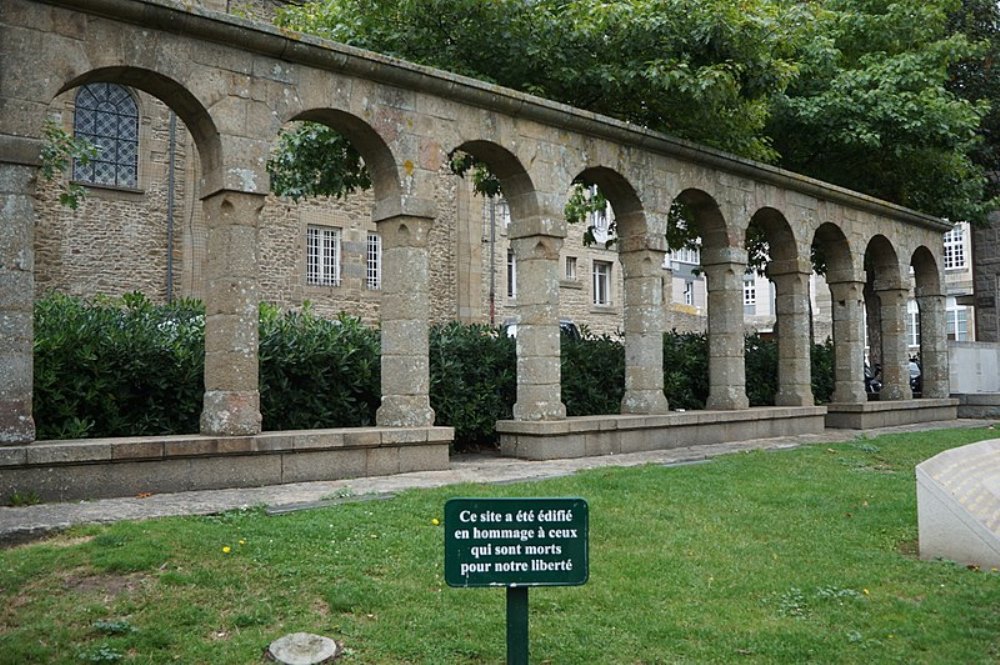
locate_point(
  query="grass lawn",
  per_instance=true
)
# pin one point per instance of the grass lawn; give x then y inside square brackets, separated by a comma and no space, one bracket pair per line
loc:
[805,555]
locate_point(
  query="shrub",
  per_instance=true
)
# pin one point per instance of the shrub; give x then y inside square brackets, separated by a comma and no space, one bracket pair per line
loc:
[593,375]
[822,371]
[117,367]
[315,372]
[685,369]
[761,370]
[473,380]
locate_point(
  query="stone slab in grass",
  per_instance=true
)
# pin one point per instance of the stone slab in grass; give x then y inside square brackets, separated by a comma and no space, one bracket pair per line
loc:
[958,505]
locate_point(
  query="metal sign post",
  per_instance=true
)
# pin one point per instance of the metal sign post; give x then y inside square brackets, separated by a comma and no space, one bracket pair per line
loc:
[517,544]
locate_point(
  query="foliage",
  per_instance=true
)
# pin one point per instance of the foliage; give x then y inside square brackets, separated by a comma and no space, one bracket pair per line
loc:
[116,367]
[855,92]
[976,78]
[821,359]
[761,361]
[317,373]
[473,380]
[790,556]
[300,164]
[872,111]
[685,369]
[59,152]
[127,367]
[593,375]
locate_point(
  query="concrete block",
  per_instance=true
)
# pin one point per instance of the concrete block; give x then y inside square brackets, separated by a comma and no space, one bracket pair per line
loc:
[68,453]
[323,465]
[383,461]
[423,458]
[958,505]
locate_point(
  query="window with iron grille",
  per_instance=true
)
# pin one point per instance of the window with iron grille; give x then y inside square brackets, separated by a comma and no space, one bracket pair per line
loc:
[107,116]
[602,283]
[373,262]
[323,256]
[954,248]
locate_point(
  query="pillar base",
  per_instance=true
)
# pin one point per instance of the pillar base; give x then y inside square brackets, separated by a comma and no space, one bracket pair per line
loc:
[645,402]
[730,400]
[231,413]
[16,424]
[791,398]
[405,411]
[539,411]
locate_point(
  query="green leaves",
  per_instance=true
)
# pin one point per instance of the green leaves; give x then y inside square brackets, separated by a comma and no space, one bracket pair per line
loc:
[59,151]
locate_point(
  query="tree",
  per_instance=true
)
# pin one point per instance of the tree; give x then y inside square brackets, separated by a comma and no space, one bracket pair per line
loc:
[872,109]
[850,91]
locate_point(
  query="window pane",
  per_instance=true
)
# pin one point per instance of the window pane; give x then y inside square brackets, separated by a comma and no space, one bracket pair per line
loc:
[107,116]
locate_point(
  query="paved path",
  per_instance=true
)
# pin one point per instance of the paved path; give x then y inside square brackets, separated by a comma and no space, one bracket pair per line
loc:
[29,522]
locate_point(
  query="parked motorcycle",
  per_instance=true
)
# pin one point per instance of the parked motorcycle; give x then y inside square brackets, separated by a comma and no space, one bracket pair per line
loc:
[916,378]
[873,379]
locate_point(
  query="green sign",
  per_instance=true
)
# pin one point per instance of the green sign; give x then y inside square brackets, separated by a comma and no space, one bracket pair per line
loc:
[515,542]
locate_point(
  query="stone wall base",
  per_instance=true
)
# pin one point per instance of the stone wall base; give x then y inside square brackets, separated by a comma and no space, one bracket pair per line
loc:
[616,434]
[100,468]
[978,405]
[890,413]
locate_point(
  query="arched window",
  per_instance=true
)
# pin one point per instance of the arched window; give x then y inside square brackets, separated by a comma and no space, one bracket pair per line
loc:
[107,116]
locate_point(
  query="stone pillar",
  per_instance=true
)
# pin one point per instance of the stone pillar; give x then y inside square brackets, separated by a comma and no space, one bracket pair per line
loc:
[935,373]
[848,342]
[17,289]
[232,395]
[726,366]
[403,313]
[539,391]
[895,356]
[791,280]
[643,331]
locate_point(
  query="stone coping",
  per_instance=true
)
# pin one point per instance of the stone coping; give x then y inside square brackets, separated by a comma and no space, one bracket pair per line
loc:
[135,449]
[609,422]
[893,405]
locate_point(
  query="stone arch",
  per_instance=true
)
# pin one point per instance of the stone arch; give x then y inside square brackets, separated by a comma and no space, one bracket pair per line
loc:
[707,216]
[518,188]
[382,165]
[640,253]
[790,272]
[536,237]
[188,108]
[932,355]
[723,260]
[886,295]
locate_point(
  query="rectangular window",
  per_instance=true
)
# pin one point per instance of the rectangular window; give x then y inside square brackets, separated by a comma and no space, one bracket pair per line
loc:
[688,255]
[571,268]
[689,293]
[912,324]
[749,291]
[511,275]
[373,262]
[954,248]
[323,255]
[602,283]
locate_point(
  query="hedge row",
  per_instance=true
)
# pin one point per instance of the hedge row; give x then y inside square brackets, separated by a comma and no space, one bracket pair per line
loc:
[127,367]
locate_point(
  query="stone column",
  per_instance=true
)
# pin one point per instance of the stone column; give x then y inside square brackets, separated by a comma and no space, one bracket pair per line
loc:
[726,366]
[232,395]
[895,356]
[934,368]
[791,280]
[17,288]
[539,391]
[643,331]
[848,342]
[403,313]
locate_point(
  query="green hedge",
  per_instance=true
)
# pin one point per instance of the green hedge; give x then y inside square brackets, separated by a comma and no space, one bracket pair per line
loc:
[127,367]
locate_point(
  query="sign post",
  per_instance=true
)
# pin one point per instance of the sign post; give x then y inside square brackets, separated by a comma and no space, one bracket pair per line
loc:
[517,544]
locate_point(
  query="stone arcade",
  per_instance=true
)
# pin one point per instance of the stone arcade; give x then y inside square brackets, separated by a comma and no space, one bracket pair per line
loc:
[235,84]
